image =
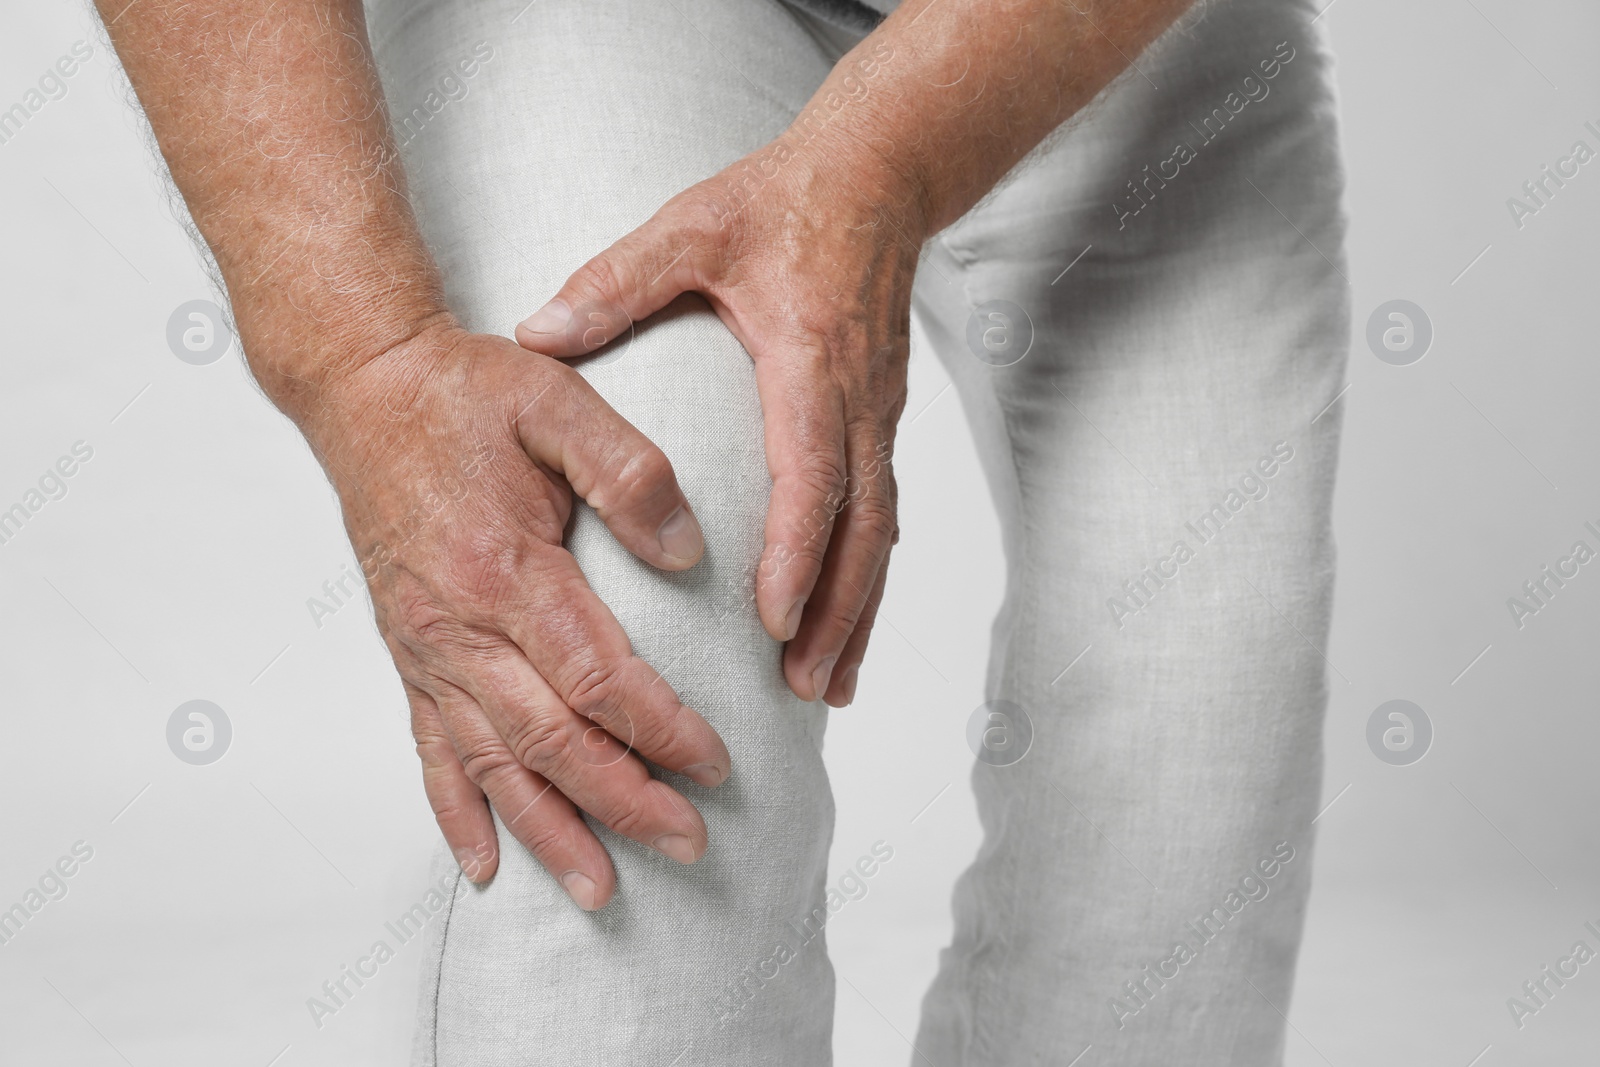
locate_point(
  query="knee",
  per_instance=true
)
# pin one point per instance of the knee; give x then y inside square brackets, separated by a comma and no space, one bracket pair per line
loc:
[685,382]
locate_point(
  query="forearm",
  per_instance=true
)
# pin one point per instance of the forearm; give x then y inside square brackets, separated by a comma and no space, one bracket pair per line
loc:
[947,96]
[270,117]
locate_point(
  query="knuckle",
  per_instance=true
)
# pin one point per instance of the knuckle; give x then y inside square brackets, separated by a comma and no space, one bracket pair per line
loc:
[848,614]
[697,211]
[652,733]
[483,567]
[547,838]
[597,691]
[433,747]
[823,479]
[444,611]
[840,622]
[540,744]
[546,519]
[631,818]
[487,764]
[448,810]
[644,472]
[808,550]
[847,335]
[875,516]
[599,277]
[896,402]
[822,472]
[862,633]
[417,618]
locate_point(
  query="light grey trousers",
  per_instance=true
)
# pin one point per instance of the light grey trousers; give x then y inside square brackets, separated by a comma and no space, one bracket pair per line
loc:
[1162,466]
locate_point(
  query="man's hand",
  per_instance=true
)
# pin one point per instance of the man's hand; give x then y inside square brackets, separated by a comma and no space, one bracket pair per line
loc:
[806,248]
[456,457]
[812,272]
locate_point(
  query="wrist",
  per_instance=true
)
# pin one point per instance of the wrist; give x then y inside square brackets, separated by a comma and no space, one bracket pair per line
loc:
[378,380]
[313,302]
[861,177]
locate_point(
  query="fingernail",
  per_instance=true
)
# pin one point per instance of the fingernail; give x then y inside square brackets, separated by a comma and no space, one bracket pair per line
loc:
[552,318]
[471,866]
[680,536]
[791,621]
[820,676]
[675,845]
[581,888]
[706,774]
[848,680]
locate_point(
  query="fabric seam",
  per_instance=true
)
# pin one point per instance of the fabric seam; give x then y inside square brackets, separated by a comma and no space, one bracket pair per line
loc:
[438,975]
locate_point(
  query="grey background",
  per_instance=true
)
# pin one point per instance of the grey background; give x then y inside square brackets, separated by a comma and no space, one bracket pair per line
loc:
[178,564]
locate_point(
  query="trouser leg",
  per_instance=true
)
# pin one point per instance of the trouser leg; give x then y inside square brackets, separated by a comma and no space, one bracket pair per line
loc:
[578,121]
[1164,484]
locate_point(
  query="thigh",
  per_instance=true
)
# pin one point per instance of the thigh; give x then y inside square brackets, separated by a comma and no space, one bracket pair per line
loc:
[1163,468]
[534,135]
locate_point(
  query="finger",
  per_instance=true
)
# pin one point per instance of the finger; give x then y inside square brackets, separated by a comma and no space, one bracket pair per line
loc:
[578,649]
[856,552]
[618,470]
[804,417]
[594,769]
[536,814]
[458,805]
[841,689]
[634,278]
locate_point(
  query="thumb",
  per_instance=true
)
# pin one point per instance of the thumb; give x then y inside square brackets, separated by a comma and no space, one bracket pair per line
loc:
[634,278]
